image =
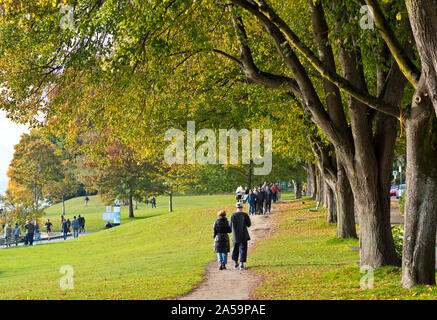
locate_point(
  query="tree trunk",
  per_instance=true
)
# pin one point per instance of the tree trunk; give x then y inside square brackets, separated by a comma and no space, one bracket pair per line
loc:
[63,205]
[332,205]
[423,21]
[136,205]
[345,206]
[325,194]
[311,181]
[418,255]
[170,202]
[376,240]
[131,207]
[297,189]
[319,186]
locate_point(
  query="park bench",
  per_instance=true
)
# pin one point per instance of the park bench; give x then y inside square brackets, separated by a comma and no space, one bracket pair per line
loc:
[316,209]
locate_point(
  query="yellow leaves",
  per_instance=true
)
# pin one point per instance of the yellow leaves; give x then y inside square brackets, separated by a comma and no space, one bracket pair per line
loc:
[399,16]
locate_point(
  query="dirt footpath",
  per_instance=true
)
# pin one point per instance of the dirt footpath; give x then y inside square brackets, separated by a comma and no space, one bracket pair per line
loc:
[233,284]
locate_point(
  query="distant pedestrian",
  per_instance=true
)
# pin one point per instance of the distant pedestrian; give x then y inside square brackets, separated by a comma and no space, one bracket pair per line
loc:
[153,202]
[239,193]
[275,191]
[251,200]
[264,186]
[68,225]
[260,201]
[30,229]
[48,226]
[86,201]
[16,232]
[64,228]
[8,235]
[37,232]
[239,222]
[75,225]
[221,229]
[268,200]
[82,226]
[79,219]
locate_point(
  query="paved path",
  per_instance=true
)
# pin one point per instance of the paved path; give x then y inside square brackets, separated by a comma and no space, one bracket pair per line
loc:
[55,239]
[232,284]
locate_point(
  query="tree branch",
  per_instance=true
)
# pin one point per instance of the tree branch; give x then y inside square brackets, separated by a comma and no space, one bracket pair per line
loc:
[405,64]
[265,14]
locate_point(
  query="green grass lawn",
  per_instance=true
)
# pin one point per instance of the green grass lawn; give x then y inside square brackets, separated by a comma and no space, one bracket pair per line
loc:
[93,212]
[304,260]
[155,258]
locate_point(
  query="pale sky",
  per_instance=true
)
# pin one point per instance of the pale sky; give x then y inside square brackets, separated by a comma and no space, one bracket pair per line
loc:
[10,134]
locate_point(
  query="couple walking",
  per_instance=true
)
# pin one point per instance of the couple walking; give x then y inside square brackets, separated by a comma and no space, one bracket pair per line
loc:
[238,224]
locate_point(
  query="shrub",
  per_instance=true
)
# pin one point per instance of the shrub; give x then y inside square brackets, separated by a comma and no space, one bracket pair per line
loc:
[402,203]
[398,238]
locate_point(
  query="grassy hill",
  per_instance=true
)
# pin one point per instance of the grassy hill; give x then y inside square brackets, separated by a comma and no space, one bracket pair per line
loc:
[93,212]
[154,256]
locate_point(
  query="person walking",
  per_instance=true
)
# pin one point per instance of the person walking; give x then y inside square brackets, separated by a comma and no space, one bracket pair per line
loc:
[8,235]
[37,233]
[221,229]
[75,225]
[260,201]
[275,192]
[268,200]
[48,226]
[264,186]
[79,219]
[16,232]
[255,192]
[64,228]
[153,202]
[83,225]
[68,225]
[239,222]
[86,200]
[30,229]
[251,200]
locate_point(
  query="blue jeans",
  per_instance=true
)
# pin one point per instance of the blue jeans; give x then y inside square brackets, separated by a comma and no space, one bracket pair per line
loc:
[223,257]
[75,233]
[251,208]
[240,250]
[65,232]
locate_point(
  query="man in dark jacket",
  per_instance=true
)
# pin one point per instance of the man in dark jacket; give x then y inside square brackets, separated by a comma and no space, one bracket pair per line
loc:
[239,223]
[260,201]
[30,229]
[65,227]
[75,225]
[268,200]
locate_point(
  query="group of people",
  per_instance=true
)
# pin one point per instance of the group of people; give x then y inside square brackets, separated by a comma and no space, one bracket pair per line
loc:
[237,225]
[77,224]
[259,199]
[32,230]
[12,234]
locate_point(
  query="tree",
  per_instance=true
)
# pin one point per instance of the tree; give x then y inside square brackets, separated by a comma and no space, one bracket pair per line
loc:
[19,204]
[34,164]
[117,174]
